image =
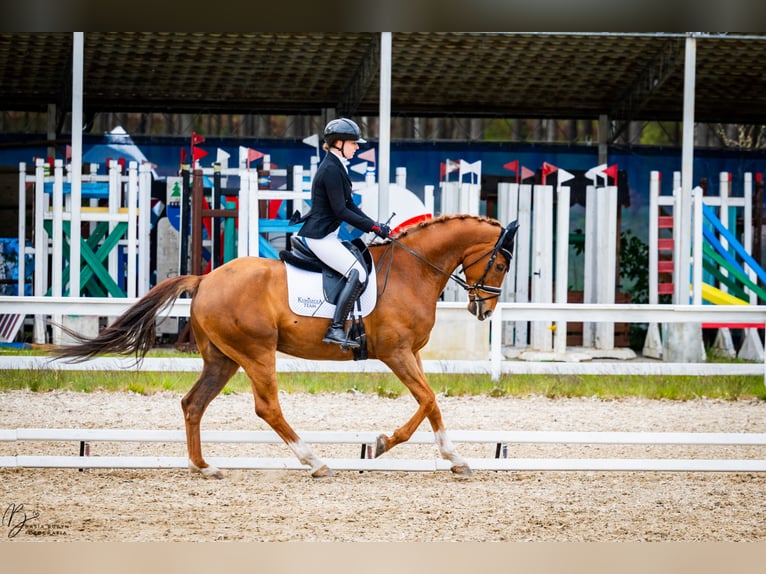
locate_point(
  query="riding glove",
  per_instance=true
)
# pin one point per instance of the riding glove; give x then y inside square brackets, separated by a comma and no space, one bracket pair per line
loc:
[382,230]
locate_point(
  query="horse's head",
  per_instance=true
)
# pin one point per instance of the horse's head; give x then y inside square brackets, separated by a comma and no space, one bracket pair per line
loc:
[484,275]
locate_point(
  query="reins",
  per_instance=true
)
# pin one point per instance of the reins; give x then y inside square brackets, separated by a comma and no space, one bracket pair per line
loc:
[477,286]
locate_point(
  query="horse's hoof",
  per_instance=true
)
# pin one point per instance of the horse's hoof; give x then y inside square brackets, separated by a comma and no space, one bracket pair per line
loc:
[207,472]
[380,445]
[323,471]
[461,471]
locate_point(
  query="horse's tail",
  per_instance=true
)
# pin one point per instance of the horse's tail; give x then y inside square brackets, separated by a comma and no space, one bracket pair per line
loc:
[134,331]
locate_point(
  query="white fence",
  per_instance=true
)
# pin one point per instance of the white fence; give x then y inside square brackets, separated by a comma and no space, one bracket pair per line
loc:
[502,440]
[495,365]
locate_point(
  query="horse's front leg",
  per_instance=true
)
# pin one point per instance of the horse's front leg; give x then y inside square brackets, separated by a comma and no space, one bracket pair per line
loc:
[409,369]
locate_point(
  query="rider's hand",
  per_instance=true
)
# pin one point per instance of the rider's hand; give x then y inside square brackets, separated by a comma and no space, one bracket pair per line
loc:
[382,230]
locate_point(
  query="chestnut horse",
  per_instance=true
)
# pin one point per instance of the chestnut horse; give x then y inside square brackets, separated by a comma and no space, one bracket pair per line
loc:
[240,317]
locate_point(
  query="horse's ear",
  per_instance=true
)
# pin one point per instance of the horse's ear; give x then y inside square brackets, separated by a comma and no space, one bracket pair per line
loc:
[507,239]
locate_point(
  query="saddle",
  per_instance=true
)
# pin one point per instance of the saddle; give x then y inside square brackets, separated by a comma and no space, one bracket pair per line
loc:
[332,283]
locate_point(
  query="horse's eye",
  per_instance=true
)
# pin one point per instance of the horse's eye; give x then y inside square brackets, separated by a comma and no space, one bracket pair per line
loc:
[500,267]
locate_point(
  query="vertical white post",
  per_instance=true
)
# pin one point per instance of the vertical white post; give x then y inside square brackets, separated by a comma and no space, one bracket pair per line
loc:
[144,221]
[41,246]
[115,201]
[57,243]
[384,128]
[542,263]
[428,198]
[78,48]
[496,349]
[57,238]
[748,231]
[683,218]
[22,265]
[562,262]
[654,235]
[591,263]
[132,228]
[723,216]
[523,256]
[253,248]
[606,255]
[697,254]
[401,177]
[653,341]
[243,215]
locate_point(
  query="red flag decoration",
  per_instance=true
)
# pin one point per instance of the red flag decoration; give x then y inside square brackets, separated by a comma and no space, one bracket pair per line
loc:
[196,139]
[526,172]
[68,153]
[246,155]
[183,156]
[611,171]
[512,166]
[548,168]
[198,153]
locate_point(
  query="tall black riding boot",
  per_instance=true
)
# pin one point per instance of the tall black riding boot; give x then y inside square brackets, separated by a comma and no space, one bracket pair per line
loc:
[337,331]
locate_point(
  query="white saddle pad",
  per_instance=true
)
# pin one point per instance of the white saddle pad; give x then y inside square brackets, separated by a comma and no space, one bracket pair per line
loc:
[306,298]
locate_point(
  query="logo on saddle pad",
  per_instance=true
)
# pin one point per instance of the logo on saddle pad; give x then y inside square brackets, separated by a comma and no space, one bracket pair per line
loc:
[313,288]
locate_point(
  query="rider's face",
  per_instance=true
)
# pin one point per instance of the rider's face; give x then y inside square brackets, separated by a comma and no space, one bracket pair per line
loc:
[349,148]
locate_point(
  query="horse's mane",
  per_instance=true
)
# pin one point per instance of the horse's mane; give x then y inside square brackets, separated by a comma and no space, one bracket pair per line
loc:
[444,219]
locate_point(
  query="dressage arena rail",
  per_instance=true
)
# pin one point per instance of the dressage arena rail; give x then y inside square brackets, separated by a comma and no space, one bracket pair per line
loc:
[495,365]
[502,439]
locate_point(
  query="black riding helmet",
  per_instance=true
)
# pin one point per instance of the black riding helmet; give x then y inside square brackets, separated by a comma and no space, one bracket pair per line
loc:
[342,129]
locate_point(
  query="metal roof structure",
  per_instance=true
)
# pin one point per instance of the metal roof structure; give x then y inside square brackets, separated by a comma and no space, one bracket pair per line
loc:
[533,75]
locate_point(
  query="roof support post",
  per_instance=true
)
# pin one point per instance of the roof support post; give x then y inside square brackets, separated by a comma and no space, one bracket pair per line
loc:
[384,127]
[78,56]
[684,340]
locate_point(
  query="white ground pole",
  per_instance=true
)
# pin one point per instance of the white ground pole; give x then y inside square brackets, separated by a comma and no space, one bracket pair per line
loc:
[494,439]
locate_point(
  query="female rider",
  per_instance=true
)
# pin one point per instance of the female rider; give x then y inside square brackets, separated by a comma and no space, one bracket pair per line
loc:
[331,205]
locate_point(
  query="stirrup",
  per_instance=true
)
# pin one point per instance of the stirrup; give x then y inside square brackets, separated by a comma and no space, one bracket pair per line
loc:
[338,336]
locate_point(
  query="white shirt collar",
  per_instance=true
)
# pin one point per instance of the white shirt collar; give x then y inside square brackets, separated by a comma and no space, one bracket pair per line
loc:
[343,160]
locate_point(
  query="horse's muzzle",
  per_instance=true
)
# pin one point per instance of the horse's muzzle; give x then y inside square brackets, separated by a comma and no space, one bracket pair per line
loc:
[479,310]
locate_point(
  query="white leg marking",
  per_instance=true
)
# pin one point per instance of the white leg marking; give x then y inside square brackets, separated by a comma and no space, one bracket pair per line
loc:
[306,455]
[208,471]
[447,449]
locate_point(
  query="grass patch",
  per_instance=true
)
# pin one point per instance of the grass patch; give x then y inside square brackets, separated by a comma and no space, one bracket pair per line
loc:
[387,385]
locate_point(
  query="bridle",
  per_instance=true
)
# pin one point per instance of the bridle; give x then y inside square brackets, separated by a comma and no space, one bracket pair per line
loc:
[503,246]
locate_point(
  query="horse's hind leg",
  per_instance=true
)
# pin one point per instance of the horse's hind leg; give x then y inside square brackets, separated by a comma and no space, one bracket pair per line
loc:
[263,379]
[216,372]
